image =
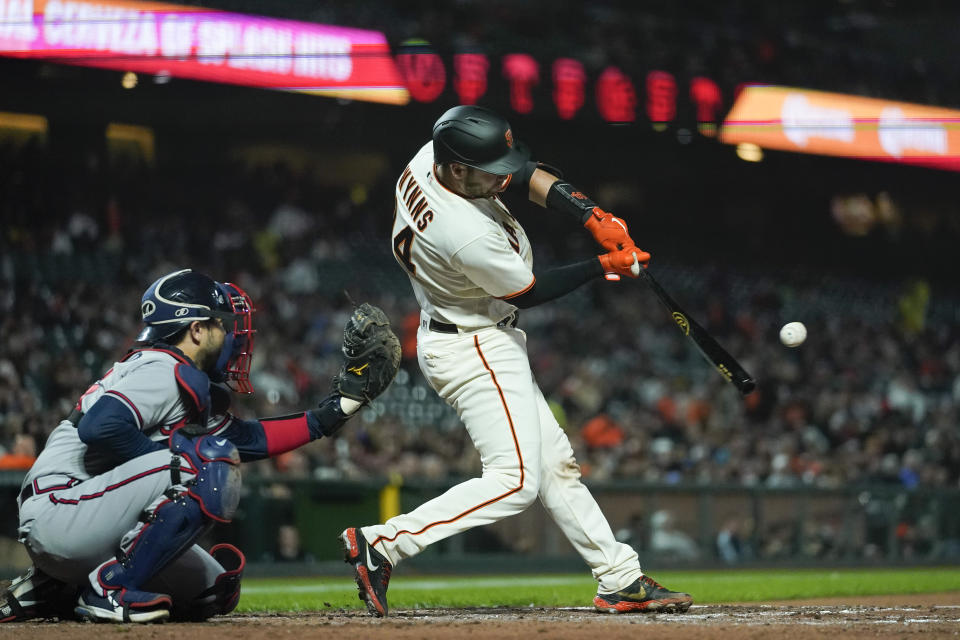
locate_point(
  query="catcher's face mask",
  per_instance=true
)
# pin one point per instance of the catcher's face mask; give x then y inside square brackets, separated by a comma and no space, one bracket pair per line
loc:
[233,365]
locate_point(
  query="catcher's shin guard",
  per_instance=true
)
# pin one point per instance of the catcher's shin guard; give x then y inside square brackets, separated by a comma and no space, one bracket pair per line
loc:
[115,594]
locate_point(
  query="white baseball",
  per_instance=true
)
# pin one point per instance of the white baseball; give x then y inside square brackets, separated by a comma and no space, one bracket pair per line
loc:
[793,334]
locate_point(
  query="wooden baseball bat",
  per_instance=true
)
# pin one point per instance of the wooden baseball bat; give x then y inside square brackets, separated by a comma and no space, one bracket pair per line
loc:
[716,355]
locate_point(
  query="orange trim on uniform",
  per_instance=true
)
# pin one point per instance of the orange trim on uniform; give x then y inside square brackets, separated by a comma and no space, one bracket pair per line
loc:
[516,444]
[519,293]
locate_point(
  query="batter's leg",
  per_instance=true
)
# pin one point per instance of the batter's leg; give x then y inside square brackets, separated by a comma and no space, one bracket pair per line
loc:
[574,509]
[486,378]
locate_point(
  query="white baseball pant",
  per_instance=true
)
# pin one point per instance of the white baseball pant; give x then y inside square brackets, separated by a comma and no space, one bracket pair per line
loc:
[485,375]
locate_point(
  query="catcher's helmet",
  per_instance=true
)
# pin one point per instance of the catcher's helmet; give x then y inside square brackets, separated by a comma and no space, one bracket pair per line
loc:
[177,299]
[478,138]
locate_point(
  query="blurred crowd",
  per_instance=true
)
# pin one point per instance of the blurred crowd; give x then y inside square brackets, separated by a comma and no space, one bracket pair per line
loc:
[871,397]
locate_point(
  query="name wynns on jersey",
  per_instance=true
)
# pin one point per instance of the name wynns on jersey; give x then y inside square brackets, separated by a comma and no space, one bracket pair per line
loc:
[412,196]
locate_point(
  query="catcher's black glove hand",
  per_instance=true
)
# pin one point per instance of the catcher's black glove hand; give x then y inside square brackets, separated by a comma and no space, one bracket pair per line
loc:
[372,354]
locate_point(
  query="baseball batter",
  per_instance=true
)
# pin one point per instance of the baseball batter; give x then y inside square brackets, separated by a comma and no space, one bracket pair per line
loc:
[471,268]
[148,460]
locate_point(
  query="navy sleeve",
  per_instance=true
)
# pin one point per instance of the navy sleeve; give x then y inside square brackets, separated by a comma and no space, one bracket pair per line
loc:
[249,438]
[267,437]
[111,427]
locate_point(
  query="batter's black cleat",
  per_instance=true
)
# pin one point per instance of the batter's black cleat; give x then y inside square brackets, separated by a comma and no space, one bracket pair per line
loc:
[644,595]
[32,595]
[371,570]
[123,605]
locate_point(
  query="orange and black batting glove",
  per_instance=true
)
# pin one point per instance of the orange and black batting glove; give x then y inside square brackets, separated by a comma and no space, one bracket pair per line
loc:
[624,262]
[608,230]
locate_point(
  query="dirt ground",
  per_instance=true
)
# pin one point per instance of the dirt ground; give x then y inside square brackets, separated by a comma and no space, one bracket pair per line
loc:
[924,617]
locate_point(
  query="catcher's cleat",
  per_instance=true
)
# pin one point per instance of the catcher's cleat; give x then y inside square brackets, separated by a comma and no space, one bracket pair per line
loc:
[123,605]
[32,595]
[644,595]
[371,568]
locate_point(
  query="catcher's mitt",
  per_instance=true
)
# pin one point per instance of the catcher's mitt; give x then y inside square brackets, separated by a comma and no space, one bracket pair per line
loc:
[372,353]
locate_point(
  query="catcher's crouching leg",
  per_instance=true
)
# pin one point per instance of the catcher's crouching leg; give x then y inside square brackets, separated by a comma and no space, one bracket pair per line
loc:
[221,597]
[117,587]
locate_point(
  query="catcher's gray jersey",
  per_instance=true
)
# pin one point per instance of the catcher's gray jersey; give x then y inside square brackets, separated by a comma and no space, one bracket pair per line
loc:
[147,384]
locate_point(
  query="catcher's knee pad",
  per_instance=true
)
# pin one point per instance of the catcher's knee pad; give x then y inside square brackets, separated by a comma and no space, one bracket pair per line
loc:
[168,531]
[216,485]
[221,597]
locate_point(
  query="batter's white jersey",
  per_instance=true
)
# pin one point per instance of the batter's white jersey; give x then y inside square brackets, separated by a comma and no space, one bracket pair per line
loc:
[465,257]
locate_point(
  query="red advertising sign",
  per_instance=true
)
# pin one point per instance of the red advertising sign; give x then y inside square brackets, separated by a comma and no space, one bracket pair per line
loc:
[204,44]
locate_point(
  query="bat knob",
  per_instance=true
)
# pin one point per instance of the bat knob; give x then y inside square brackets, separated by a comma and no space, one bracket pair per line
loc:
[635,267]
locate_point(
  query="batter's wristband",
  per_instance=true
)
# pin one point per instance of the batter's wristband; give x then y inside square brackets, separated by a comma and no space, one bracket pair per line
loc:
[564,197]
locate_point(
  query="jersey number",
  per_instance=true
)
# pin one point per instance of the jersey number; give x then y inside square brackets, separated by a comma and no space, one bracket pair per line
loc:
[402,244]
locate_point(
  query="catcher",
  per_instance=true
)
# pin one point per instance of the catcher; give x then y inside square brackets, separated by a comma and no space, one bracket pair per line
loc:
[149,459]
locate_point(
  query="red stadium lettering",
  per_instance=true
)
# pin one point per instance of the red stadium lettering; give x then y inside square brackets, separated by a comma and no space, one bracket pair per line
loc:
[569,80]
[470,81]
[707,97]
[523,72]
[423,72]
[661,98]
[616,97]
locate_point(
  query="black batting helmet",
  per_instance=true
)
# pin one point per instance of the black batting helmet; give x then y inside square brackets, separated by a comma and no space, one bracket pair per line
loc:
[478,138]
